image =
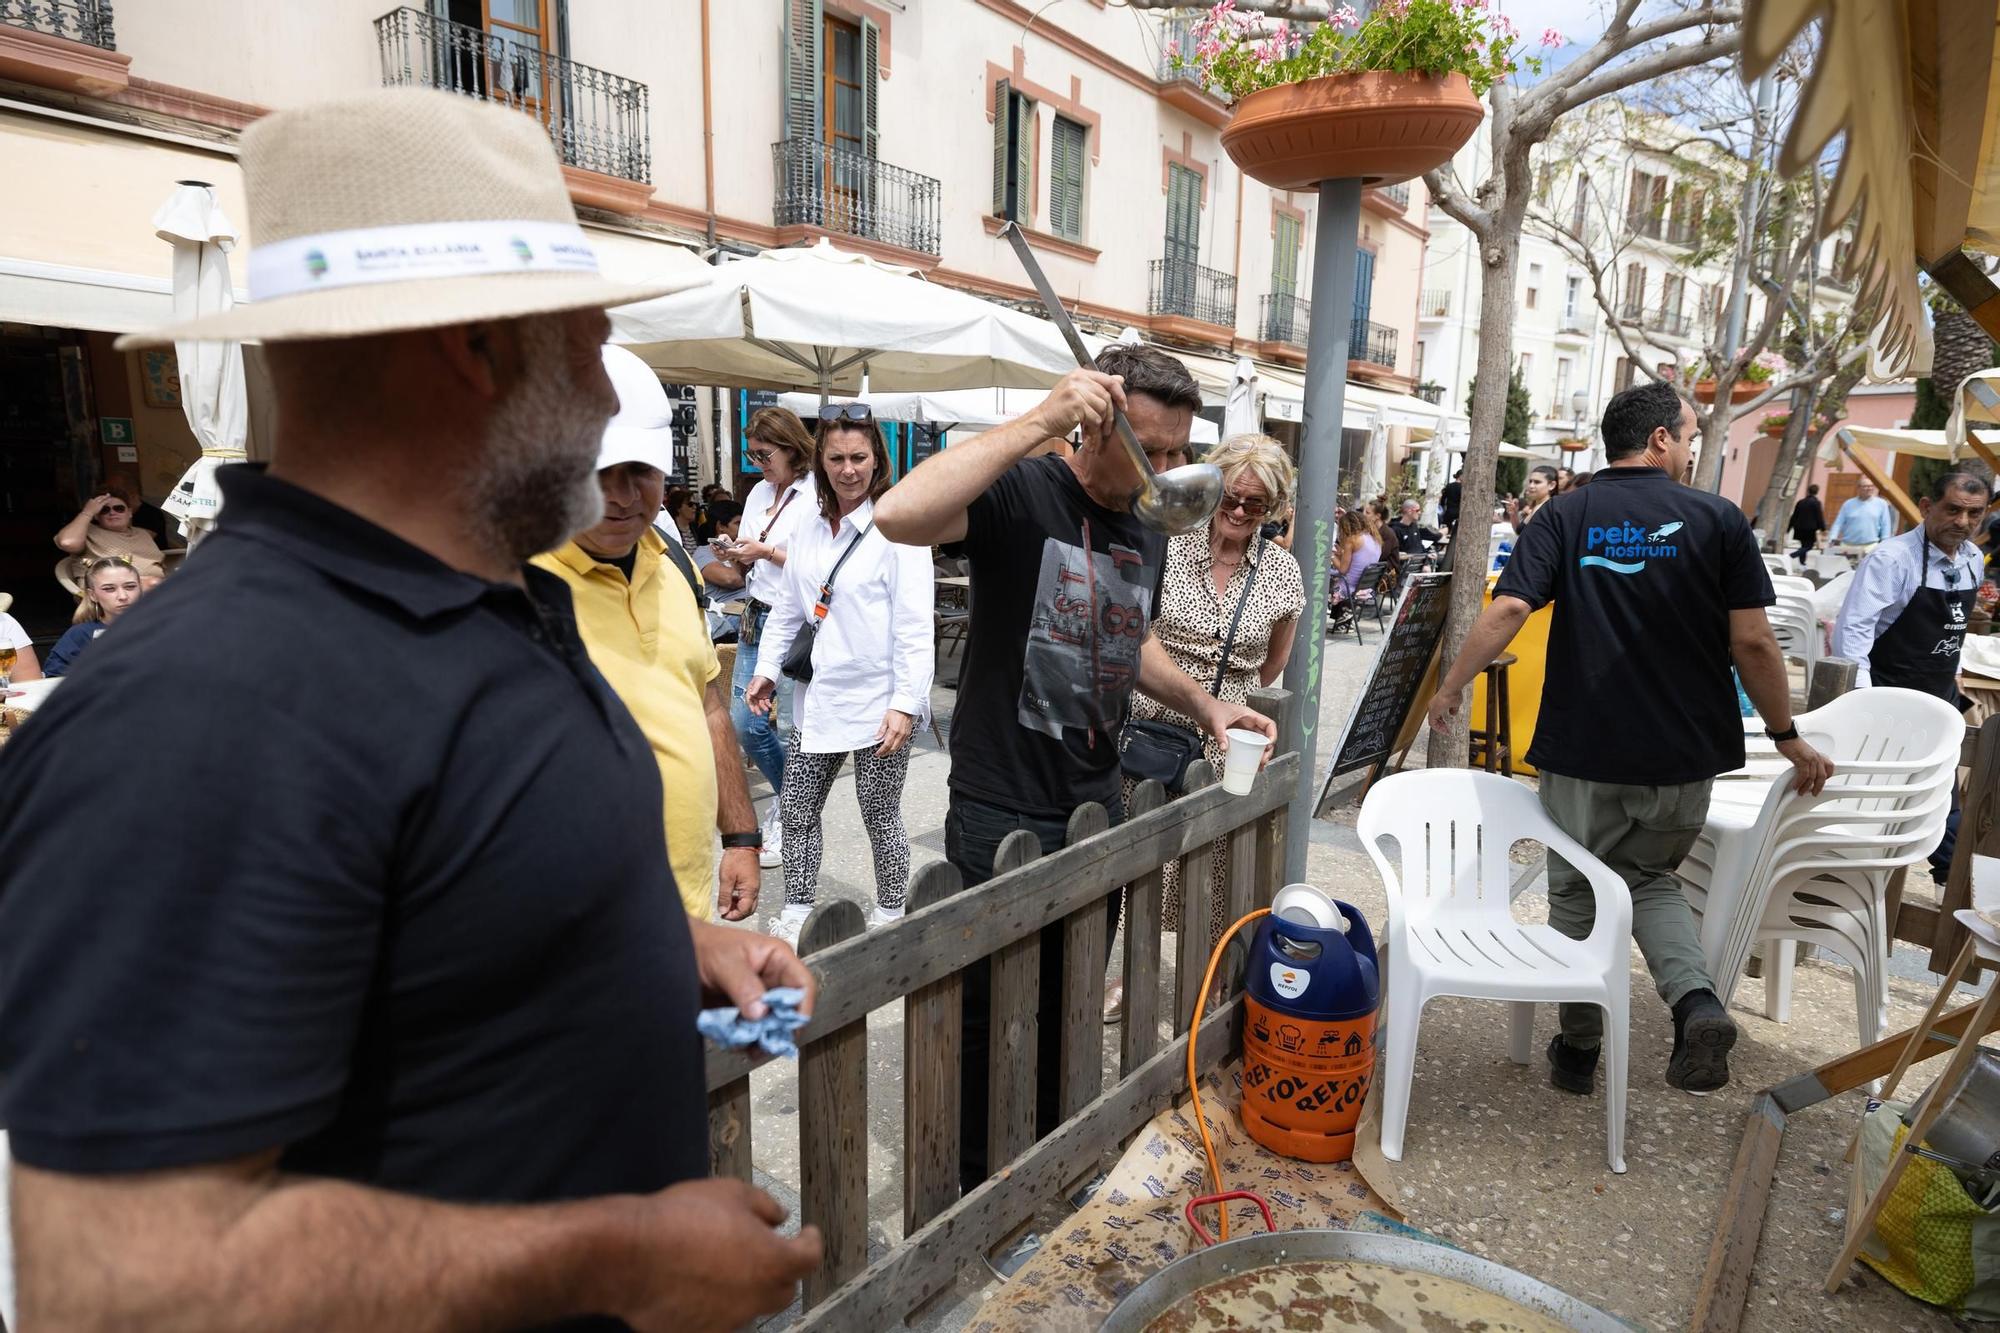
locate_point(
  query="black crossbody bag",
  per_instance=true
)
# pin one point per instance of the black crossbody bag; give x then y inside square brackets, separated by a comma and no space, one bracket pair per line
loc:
[1160,751]
[798,663]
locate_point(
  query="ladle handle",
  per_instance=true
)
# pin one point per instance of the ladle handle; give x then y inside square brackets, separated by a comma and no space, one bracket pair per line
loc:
[1075,340]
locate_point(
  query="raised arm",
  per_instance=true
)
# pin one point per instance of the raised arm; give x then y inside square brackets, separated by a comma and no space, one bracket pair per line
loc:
[928,507]
[75,534]
[237,1245]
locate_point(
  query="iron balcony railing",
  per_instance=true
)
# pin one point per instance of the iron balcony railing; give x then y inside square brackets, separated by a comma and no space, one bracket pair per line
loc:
[1631,312]
[817,184]
[1373,343]
[1578,323]
[1434,303]
[1684,231]
[1670,322]
[1285,318]
[1177,37]
[86,21]
[1181,287]
[1399,195]
[597,120]
[1431,393]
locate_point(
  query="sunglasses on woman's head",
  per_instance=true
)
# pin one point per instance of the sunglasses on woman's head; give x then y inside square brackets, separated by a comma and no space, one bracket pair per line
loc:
[833,412]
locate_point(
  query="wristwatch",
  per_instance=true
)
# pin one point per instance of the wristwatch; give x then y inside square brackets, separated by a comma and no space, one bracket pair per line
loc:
[754,839]
[1790,733]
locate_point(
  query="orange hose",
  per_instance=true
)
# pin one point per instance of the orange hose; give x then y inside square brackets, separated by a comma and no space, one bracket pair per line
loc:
[1194,1029]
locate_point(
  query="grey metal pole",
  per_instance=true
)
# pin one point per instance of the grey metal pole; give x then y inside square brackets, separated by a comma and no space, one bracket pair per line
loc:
[1319,479]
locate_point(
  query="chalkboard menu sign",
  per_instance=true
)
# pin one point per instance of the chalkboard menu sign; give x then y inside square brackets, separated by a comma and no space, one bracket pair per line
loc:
[1391,689]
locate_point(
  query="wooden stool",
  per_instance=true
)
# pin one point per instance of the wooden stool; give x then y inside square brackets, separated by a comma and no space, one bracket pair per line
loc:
[1494,744]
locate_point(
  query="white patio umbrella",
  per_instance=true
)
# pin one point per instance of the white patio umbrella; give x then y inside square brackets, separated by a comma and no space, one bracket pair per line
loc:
[1240,415]
[211,373]
[822,318]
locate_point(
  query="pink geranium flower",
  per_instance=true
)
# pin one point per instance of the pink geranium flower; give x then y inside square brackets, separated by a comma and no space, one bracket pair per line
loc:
[1550,37]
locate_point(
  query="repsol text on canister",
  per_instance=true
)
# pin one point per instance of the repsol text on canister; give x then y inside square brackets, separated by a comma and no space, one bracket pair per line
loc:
[1309,1031]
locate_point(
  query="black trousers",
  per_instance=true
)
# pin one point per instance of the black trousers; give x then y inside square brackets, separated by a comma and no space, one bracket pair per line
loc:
[973,832]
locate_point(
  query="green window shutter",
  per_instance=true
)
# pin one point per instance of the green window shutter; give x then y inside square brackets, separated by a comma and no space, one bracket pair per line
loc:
[1066,179]
[1024,159]
[871,78]
[1285,257]
[1183,214]
[1003,144]
[803,90]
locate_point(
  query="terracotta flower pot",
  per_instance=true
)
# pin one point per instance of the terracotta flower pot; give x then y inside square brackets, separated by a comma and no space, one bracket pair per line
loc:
[1740,392]
[1772,427]
[1572,446]
[1382,127]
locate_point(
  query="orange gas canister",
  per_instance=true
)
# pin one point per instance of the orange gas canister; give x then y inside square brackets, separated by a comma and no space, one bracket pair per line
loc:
[1309,1026]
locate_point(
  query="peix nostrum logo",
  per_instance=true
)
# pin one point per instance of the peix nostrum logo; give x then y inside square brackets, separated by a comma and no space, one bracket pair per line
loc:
[521,250]
[315,264]
[1624,548]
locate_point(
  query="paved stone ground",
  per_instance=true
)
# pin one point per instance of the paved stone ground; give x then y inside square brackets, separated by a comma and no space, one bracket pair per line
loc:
[1497,1161]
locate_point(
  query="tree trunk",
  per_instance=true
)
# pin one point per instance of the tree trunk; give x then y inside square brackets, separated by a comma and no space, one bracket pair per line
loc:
[1472,538]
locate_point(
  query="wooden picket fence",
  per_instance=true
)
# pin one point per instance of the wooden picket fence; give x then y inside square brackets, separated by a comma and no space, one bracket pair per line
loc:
[921,960]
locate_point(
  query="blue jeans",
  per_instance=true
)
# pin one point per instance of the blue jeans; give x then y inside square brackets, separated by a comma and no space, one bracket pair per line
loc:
[973,832]
[761,738]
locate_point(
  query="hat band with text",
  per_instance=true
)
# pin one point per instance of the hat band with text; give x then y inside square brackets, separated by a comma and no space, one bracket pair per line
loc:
[412,251]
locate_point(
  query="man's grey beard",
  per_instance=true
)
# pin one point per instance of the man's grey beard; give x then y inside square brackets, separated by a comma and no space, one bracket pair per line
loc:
[537,486]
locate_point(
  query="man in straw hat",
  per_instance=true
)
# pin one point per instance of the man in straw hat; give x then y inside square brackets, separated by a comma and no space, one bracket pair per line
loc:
[395,1029]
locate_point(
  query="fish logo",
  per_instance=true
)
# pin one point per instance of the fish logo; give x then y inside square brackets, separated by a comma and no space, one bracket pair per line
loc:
[315,264]
[521,250]
[1664,531]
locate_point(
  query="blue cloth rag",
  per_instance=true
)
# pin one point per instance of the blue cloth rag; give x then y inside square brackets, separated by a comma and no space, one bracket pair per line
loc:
[728,1028]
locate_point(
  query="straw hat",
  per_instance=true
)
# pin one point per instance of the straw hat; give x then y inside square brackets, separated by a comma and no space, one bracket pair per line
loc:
[404,209]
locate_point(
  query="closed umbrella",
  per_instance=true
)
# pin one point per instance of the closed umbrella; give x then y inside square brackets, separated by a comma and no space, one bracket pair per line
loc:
[822,318]
[211,373]
[1240,414]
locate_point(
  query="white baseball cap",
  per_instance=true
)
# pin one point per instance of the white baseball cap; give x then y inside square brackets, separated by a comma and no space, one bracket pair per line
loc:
[642,431]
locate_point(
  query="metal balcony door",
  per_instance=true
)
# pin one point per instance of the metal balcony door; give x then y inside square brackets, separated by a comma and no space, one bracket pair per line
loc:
[1183,242]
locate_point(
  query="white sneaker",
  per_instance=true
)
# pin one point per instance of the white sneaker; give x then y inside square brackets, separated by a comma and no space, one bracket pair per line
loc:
[791,920]
[882,916]
[772,853]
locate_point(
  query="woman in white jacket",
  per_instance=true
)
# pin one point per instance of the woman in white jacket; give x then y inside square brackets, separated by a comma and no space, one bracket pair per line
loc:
[872,662]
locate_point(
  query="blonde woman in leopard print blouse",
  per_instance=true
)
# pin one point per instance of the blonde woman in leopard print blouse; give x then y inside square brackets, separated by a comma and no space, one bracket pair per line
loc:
[1208,573]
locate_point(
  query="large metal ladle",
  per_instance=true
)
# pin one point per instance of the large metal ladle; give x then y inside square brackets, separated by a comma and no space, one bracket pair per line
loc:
[1172,502]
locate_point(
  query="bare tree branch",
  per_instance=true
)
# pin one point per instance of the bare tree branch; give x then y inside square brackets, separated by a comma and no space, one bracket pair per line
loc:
[1712,45]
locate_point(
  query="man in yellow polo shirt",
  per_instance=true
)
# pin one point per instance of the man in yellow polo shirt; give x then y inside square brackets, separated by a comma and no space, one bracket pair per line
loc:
[637,613]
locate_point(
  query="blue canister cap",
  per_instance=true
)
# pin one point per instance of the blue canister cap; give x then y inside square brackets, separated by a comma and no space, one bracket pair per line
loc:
[1315,972]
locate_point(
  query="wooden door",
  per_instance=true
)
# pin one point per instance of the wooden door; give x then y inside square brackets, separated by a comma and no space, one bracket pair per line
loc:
[843,122]
[521,34]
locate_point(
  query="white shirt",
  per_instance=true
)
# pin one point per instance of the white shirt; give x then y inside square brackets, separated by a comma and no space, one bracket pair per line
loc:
[1884,584]
[11,633]
[765,576]
[877,645]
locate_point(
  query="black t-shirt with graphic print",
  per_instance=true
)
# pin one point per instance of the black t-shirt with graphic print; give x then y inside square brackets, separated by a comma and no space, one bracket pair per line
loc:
[1643,572]
[1053,651]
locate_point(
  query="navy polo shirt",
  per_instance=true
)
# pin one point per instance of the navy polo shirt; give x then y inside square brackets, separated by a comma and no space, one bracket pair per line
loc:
[1643,572]
[337,850]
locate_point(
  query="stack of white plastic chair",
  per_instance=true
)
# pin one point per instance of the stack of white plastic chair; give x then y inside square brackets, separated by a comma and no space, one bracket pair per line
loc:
[1773,865]
[1829,563]
[1778,562]
[1795,620]
[1452,929]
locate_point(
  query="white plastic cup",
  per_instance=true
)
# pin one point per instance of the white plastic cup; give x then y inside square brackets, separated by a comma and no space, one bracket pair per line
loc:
[1240,763]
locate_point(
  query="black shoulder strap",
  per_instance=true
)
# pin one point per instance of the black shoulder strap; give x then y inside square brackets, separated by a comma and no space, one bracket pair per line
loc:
[679,556]
[826,588]
[1242,600]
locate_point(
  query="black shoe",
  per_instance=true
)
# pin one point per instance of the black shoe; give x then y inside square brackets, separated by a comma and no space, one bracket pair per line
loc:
[1703,1034]
[1571,1070]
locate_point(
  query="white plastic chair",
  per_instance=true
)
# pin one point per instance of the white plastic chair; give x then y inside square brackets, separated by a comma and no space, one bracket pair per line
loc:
[1452,929]
[1779,563]
[1774,866]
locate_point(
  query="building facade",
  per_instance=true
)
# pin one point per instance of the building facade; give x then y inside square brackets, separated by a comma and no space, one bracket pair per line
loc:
[911,131]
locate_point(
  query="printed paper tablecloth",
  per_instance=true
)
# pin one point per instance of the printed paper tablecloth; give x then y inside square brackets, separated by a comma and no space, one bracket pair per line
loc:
[1133,1227]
